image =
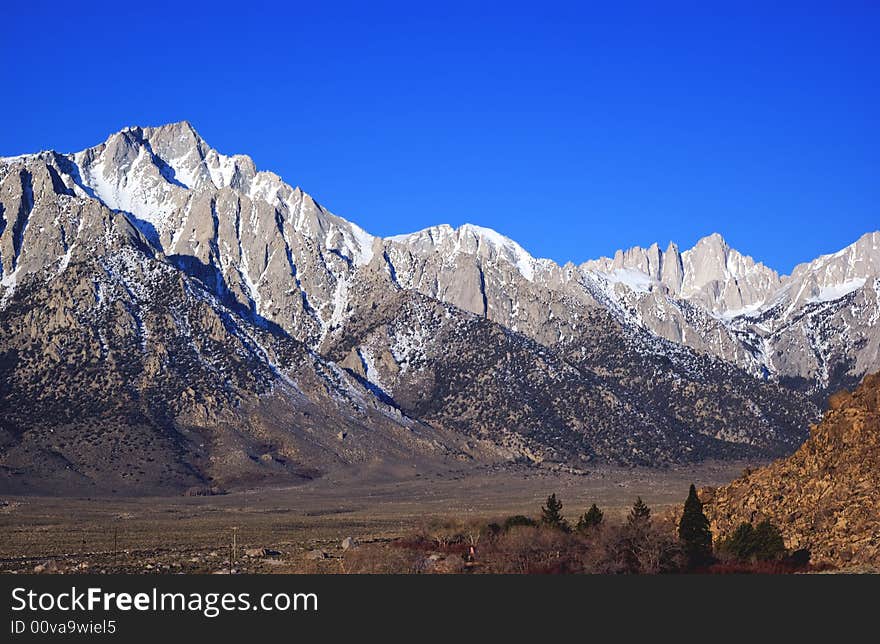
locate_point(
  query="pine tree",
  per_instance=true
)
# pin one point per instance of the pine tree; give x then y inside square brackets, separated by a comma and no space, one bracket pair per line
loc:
[640,513]
[769,544]
[741,543]
[693,531]
[763,542]
[590,519]
[551,514]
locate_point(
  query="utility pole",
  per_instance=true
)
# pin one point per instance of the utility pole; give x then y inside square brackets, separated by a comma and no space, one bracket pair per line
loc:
[232,548]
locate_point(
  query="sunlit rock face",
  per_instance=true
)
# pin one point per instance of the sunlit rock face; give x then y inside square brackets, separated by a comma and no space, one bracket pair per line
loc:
[824,496]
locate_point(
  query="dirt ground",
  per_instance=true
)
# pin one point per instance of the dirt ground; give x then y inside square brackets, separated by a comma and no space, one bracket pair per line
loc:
[302,527]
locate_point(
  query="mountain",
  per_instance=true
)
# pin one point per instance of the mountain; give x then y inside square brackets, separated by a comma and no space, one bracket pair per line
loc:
[824,496]
[814,330]
[120,372]
[613,396]
[246,329]
[711,274]
[260,244]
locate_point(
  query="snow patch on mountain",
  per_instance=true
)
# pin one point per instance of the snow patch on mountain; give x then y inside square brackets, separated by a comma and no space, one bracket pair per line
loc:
[472,239]
[127,192]
[747,311]
[633,279]
[506,247]
[837,291]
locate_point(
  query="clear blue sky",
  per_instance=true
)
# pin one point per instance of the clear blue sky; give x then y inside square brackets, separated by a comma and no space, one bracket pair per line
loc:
[575,129]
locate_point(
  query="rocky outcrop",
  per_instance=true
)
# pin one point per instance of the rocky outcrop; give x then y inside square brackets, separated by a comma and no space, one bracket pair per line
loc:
[711,274]
[825,496]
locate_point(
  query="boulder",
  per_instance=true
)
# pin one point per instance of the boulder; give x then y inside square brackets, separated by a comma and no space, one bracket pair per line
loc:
[349,542]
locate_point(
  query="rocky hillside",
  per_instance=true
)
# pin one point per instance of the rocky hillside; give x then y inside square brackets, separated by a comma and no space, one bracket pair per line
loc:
[825,496]
[126,376]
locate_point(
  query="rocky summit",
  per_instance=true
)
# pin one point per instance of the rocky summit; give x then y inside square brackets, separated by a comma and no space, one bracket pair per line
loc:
[173,318]
[824,496]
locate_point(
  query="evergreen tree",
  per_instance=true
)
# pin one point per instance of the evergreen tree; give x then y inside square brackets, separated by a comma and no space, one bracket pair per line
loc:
[740,544]
[640,513]
[768,542]
[693,531]
[551,514]
[518,520]
[764,542]
[590,519]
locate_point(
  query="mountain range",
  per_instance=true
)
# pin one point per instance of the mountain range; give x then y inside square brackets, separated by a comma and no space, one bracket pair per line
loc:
[173,318]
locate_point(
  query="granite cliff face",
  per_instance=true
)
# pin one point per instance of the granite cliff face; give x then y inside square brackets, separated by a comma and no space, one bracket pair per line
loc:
[815,330]
[252,239]
[711,274]
[824,496]
[196,286]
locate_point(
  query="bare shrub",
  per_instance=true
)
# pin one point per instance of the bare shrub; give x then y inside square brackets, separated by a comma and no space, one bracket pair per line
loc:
[375,559]
[530,550]
[640,547]
[444,533]
[204,490]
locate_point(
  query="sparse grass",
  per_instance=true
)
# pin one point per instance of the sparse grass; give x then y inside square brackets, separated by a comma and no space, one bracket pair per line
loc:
[386,514]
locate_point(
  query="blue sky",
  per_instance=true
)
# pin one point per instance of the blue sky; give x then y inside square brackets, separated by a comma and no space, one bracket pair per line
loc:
[574,128]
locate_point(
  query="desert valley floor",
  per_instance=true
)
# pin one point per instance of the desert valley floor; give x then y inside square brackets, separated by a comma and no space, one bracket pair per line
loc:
[194,534]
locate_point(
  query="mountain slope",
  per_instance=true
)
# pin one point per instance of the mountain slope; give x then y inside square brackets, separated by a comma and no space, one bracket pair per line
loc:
[610,394]
[711,273]
[122,373]
[814,330]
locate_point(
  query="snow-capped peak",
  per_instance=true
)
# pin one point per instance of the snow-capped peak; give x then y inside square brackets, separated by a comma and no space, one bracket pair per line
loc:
[711,273]
[470,239]
[157,173]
